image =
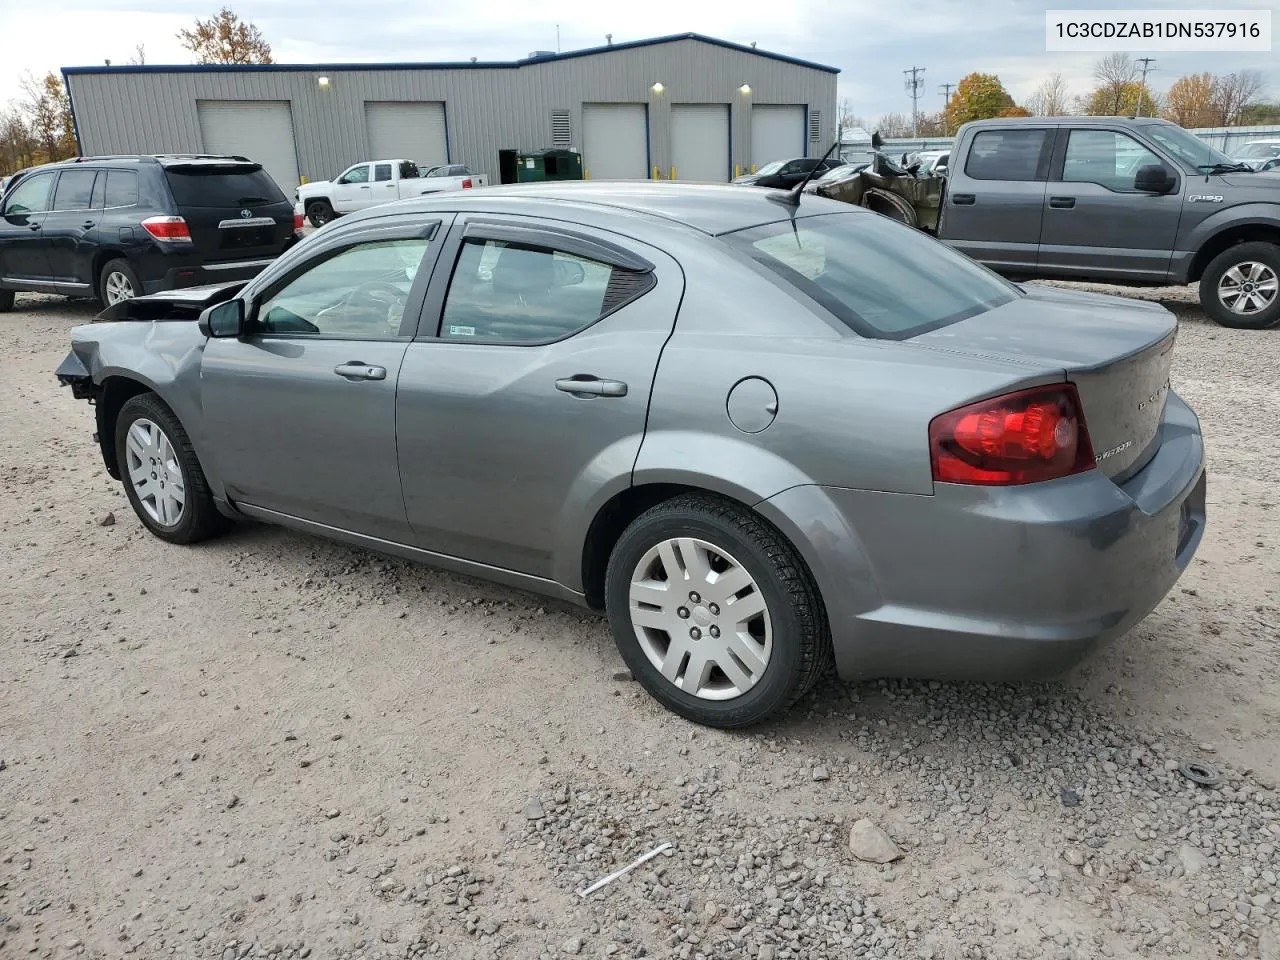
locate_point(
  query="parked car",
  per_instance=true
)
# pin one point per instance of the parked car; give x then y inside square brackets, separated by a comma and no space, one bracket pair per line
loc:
[1261,155]
[118,227]
[757,435]
[786,173]
[372,182]
[1111,199]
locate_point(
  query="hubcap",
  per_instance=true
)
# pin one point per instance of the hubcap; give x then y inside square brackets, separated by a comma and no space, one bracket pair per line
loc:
[155,473]
[117,288]
[1248,288]
[701,619]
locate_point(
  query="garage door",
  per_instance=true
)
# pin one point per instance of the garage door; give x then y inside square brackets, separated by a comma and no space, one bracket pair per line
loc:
[261,130]
[777,133]
[700,141]
[409,131]
[615,141]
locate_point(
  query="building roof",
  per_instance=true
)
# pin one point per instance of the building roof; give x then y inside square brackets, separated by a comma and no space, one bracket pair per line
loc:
[463,65]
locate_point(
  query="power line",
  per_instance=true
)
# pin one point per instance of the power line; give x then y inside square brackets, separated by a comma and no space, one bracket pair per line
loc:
[1142,91]
[914,84]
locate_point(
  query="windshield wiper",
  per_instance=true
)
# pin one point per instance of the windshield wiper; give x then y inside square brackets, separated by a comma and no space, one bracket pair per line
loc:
[1211,168]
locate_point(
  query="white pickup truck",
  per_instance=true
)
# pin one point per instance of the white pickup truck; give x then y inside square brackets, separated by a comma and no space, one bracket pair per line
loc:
[372,182]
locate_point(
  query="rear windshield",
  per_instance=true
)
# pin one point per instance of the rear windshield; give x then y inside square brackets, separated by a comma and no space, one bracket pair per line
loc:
[880,277]
[238,186]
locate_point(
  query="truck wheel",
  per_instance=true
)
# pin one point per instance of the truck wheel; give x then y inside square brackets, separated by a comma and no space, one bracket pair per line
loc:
[6,301]
[1241,286]
[319,212]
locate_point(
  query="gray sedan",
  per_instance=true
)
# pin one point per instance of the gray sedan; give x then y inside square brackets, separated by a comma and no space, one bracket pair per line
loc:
[760,434]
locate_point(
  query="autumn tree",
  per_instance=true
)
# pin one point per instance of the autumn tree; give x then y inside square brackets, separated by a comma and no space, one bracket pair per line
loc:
[18,146]
[932,124]
[1257,114]
[1235,92]
[978,96]
[226,39]
[1116,75]
[1050,99]
[1192,101]
[49,117]
[1121,102]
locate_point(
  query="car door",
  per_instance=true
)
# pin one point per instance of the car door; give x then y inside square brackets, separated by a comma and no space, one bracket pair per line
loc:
[385,187]
[71,229]
[1095,220]
[22,252]
[994,205]
[300,411]
[353,191]
[524,396]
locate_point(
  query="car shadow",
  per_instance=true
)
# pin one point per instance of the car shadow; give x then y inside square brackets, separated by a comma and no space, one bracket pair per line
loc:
[37,304]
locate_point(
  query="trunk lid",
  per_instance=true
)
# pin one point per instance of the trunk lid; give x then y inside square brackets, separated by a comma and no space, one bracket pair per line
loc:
[234,210]
[1117,352]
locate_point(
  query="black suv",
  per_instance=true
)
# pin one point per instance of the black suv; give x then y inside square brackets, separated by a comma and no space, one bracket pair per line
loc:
[120,227]
[787,173]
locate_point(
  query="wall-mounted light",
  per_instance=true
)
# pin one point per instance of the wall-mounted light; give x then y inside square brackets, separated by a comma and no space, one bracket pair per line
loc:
[658,87]
[745,89]
[322,83]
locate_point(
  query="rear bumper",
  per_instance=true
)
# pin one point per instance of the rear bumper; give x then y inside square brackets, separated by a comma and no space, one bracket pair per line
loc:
[999,583]
[195,275]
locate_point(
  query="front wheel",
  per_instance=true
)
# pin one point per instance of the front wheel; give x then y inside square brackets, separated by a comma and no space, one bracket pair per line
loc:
[319,212]
[715,613]
[162,477]
[1241,286]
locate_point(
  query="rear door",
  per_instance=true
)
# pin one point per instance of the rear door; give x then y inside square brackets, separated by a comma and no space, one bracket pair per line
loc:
[524,396]
[386,186]
[22,252]
[994,203]
[235,211]
[1095,221]
[71,228]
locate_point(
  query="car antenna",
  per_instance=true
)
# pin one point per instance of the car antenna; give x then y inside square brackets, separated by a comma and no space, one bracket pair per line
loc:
[792,197]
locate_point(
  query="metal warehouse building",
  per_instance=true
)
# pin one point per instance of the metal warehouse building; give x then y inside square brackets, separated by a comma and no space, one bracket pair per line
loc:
[686,107]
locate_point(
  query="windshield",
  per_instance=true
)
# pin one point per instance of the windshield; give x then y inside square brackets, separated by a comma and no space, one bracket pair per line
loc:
[1258,151]
[882,278]
[1187,147]
[230,186]
[769,168]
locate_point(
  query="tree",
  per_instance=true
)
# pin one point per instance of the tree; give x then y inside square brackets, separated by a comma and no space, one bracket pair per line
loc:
[978,96]
[1014,111]
[1257,114]
[1192,101]
[226,39]
[1236,91]
[1050,99]
[17,145]
[1120,102]
[49,117]
[933,124]
[139,55]
[893,125]
[1114,74]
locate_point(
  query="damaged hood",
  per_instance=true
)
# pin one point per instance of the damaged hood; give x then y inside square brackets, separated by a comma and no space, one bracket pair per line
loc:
[186,303]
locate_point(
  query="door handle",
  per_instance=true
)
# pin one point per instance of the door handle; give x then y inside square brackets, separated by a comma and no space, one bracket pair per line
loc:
[1062,203]
[87,224]
[355,370]
[588,386]
[963,199]
[365,187]
[33,226]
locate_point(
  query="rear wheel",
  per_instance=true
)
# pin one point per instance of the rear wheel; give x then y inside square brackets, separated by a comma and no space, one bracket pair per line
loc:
[1241,286]
[118,282]
[319,212]
[162,477]
[715,613]
[6,301]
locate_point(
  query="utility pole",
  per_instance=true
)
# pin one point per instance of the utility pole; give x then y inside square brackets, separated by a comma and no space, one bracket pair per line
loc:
[946,89]
[914,84]
[1142,91]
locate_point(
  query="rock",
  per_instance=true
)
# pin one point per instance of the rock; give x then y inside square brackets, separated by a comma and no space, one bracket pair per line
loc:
[868,842]
[533,810]
[766,952]
[72,943]
[332,814]
[233,801]
[1073,857]
[70,652]
[107,520]
[1268,944]
[622,676]
[820,774]
[1069,797]
[1193,861]
[572,946]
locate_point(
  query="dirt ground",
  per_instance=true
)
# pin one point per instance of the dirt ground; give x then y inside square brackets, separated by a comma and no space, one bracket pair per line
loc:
[271,745]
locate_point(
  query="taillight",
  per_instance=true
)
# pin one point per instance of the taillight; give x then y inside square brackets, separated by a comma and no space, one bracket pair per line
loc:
[297,221]
[466,184]
[173,229]
[1024,437]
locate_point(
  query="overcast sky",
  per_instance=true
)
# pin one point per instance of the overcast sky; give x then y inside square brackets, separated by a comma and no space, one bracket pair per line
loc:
[871,41]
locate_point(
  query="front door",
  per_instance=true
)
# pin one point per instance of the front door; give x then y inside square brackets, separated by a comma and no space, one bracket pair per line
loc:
[301,410]
[1096,221]
[993,205]
[526,394]
[22,252]
[352,191]
[71,228]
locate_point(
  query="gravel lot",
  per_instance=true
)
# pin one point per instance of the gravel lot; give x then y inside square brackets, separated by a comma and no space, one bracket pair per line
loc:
[271,746]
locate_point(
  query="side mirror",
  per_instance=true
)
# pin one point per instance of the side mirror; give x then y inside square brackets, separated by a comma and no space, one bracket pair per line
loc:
[569,273]
[223,319]
[1154,178]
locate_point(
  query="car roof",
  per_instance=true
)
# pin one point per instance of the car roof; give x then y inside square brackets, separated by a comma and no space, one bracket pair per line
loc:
[1070,121]
[708,208]
[163,159]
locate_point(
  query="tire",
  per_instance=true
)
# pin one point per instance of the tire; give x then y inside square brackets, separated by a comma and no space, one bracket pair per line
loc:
[6,301]
[160,433]
[1255,263]
[117,278]
[706,534]
[320,212]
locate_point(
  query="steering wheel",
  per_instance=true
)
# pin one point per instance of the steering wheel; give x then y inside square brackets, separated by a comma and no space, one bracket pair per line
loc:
[379,298]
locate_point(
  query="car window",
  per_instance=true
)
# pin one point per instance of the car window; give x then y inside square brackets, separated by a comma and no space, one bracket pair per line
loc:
[1105,157]
[1005,154]
[74,190]
[438,172]
[121,189]
[241,185]
[31,195]
[360,293]
[772,167]
[882,278]
[458,170]
[381,171]
[517,293]
[358,174]
[99,191]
